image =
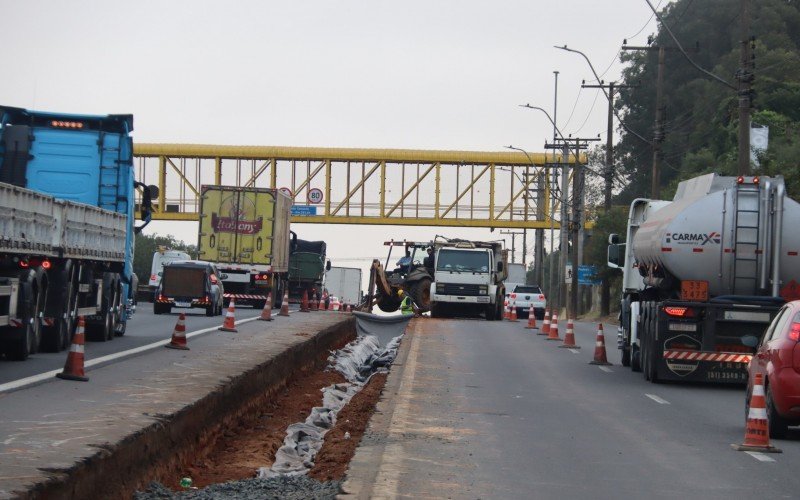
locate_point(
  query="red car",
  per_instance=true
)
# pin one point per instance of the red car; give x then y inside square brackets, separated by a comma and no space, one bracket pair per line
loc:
[778,359]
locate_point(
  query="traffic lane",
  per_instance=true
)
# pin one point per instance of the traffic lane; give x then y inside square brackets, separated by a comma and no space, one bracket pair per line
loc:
[144,328]
[517,416]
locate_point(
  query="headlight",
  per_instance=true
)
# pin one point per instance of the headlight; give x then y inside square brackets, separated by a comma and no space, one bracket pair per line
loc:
[439,287]
[483,289]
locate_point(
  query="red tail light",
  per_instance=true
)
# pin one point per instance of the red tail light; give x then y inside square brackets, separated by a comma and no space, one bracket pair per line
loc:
[46,264]
[513,295]
[541,297]
[24,264]
[794,333]
[161,297]
[214,280]
[153,277]
[679,312]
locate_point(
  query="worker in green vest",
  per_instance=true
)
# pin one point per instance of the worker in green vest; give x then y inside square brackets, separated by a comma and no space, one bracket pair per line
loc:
[407,305]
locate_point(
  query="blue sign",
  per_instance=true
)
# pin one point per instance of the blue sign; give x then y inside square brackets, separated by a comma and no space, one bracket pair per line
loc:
[587,275]
[303,210]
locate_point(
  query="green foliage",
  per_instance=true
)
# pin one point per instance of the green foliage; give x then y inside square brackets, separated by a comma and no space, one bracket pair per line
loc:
[702,114]
[146,246]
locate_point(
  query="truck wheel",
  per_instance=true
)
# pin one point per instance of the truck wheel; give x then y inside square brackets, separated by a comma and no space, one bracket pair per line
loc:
[103,330]
[778,426]
[652,346]
[211,309]
[421,294]
[636,359]
[27,341]
[626,356]
[62,305]
[644,341]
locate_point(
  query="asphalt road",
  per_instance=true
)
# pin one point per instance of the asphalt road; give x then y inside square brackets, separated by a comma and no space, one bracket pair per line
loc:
[477,409]
[145,328]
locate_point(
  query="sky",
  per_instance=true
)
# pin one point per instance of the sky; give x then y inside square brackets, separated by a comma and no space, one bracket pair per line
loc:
[442,75]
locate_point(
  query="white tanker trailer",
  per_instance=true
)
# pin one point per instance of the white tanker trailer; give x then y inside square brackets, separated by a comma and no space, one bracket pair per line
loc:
[703,272]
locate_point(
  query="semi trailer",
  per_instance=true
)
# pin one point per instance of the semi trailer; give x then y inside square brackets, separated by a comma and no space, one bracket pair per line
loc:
[703,275]
[245,232]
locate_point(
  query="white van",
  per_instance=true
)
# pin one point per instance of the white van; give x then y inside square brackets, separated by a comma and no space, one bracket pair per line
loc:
[162,257]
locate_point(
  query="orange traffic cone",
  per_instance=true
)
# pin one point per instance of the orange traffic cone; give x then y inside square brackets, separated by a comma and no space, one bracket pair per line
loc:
[229,325]
[756,433]
[531,319]
[513,316]
[600,348]
[546,323]
[285,305]
[73,369]
[314,303]
[266,313]
[304,302]
[179,335]
[554,328]
[569,338]
[506,312]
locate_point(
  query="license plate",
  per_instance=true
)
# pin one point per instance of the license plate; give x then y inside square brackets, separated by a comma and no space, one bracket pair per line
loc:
[746,316]
[483,300]
[262,282]
[683,327]
[182,304]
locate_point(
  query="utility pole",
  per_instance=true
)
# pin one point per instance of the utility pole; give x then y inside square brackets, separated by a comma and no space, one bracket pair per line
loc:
[514,235]
[571,225]
[553,184]
[541,203]
[608,175]
[658,129]
[745,78]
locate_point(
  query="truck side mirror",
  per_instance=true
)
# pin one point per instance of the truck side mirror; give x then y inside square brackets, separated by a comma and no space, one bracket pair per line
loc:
[613,239]
[328,266]
[615,259]
[148,193]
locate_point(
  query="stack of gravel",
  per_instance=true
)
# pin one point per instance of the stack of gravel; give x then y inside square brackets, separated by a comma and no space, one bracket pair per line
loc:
[283,487]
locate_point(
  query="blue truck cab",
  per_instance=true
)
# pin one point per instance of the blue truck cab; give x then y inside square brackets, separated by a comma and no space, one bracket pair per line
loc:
[86,159]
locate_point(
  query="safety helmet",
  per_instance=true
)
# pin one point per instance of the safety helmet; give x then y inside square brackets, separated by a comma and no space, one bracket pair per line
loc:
[400,293]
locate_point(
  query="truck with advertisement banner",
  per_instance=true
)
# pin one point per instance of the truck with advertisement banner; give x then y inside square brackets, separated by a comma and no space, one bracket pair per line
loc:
[67,213]
[703,275]
[245,232]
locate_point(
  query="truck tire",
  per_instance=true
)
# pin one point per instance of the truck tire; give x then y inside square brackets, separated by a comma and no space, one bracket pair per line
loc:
[652,345]
[103,330]
[644,341]
[625,356]
[421,294]
[31,303]
[62,304]
[636,351]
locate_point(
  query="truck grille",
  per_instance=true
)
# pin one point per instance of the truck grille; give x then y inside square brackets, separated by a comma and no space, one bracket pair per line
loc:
[459,289]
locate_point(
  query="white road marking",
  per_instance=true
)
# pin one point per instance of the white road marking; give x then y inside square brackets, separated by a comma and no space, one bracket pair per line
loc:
[606,369]
[760,456]
[34,379]
[657,399]
[574,351]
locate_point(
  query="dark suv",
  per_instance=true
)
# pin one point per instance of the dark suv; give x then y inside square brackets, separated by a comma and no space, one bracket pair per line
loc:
[190,284]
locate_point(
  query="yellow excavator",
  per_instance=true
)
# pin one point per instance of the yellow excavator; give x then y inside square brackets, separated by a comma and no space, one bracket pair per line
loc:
[409,274]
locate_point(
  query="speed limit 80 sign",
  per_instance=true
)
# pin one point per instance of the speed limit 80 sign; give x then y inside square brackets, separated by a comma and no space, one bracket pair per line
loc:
[315,195]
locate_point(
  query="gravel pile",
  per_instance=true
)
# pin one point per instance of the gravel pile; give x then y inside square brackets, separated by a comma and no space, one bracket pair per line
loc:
[283,487]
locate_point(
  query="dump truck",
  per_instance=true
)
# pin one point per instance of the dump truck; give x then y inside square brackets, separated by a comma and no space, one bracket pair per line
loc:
[703,275]
[307,266]
[66,228]
[245,233]
[409,274]
[468,278]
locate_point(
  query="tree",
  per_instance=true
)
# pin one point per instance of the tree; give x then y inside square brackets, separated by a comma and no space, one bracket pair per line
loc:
[701,114]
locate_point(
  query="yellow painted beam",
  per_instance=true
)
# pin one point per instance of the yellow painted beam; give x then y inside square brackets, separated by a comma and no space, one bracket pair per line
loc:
[500,158]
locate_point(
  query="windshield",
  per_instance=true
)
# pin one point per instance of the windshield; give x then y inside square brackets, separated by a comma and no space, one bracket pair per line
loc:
[462,260]
[527,289]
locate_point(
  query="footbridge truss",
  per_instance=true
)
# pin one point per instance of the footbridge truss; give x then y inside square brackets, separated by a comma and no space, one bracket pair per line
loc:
[361,186]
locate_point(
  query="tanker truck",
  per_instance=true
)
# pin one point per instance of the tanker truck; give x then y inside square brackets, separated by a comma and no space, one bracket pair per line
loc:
[703,275]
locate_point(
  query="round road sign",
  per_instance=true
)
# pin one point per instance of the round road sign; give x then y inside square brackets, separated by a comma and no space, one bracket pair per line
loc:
[315,195]
[286,190]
